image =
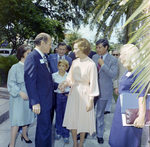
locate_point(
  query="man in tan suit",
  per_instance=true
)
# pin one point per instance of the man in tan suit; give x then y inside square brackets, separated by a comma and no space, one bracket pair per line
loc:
[121,70]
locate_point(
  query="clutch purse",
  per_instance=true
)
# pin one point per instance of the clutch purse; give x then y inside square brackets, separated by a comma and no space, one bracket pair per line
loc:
[132,114]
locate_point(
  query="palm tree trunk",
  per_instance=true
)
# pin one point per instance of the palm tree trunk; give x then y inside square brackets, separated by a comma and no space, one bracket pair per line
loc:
[128,28]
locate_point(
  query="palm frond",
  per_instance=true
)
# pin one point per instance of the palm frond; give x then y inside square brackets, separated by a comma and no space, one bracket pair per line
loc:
[138,11]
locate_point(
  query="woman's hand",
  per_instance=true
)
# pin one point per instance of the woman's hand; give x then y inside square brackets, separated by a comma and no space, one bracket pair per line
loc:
[116,91]
[139,122]
[89,106]
[23,96]
[61,87]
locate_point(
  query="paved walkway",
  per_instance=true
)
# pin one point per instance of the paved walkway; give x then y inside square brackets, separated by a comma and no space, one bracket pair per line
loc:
[91,141]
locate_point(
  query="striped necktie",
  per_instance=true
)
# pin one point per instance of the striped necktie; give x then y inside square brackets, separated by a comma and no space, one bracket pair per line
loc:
[46,62]
[60,57]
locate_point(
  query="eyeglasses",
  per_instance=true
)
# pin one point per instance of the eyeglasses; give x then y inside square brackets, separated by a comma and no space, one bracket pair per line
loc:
[115,54]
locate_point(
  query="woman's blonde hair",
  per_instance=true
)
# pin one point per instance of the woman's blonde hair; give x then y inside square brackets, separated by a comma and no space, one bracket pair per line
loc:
[83,45]
[64,61]
[131,55]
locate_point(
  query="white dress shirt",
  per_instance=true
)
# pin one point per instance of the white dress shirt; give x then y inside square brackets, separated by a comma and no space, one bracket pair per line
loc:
[62,57]
[58,79]
[39,52]
[69,52]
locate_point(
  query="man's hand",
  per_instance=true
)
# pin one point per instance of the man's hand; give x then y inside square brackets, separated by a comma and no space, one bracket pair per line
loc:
[100,61]
[116,91]
[23,96]
[36,109]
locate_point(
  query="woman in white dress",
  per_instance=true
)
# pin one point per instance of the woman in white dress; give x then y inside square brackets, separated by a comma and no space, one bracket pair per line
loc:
[82,77]
[19,112]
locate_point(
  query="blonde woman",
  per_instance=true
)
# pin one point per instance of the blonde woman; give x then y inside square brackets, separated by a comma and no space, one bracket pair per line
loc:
[122,136]
[82,77]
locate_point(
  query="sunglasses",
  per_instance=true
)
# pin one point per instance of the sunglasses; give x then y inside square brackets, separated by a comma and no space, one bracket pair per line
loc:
[115,54]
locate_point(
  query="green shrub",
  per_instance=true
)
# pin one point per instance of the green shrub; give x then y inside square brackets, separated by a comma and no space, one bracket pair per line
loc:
[5,65]
[115,96]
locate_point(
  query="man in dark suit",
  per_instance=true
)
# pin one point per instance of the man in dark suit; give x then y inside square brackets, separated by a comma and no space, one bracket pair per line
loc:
[91,54]
[54,58]
[107,69]
[39,85]
[70,53]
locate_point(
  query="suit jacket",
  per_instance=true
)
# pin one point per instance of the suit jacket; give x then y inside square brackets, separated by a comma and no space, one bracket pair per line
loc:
[52,59]
[38,81]
[91,54]
[120,72]
[105,75]
[72,56]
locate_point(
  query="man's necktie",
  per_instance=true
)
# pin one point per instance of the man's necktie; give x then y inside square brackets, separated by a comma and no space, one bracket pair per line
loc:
[46,62]
[60,57]
[99,66]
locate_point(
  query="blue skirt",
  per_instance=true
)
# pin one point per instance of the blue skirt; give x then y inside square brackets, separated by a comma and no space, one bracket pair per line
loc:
[123,136]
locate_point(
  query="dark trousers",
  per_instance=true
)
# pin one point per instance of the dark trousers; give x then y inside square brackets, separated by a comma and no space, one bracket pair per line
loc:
[43,130]
[61,100]
[53,107]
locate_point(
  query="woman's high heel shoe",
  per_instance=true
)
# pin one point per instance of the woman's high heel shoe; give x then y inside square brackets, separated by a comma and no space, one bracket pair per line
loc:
[27,141]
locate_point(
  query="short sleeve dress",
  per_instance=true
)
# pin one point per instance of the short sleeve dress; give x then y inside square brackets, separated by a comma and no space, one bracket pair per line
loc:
[124,136]
[19,111]
[82,78]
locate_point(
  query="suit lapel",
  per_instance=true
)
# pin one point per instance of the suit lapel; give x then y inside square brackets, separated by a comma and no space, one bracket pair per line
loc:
[107,59]
[97,57]
[36,52]
[55,60]
[39,56]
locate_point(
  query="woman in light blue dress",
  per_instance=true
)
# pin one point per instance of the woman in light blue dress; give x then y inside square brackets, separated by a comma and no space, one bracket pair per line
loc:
[19,112]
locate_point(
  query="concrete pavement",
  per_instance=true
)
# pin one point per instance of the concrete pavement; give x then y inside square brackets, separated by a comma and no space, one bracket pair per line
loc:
[91,141]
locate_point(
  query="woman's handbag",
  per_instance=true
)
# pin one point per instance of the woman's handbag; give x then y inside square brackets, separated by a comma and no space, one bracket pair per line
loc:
[132,114]
[130,107]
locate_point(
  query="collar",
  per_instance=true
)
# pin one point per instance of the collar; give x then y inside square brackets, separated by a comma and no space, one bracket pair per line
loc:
[63,57]
[104,56]
[59,74]
[39,52]
[69,52]
[21,63]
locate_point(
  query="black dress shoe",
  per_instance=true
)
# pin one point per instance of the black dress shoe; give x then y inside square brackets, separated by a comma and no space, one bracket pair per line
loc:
[100,140]
[106,112]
